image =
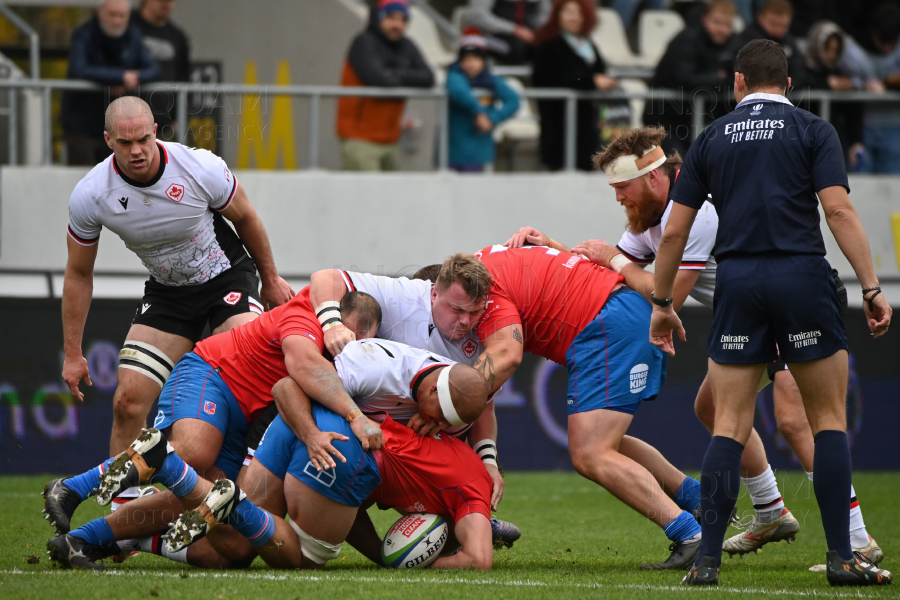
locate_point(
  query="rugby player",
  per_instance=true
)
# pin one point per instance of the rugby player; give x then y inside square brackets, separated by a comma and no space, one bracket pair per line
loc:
[644,192]
[767,166]
[213,395]
[322,480]
[561,307]
[438,317]
[168,203]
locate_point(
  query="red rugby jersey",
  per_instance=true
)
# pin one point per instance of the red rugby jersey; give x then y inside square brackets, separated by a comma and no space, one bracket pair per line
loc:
[250,356]
[553,294]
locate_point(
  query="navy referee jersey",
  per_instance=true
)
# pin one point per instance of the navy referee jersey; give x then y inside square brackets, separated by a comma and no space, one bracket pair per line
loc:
[763,165]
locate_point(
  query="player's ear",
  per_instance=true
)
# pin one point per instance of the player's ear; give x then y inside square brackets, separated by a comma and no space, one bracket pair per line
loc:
[108,139]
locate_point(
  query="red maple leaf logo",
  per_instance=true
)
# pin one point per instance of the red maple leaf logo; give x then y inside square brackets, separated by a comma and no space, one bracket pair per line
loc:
[175,192]
[469,348]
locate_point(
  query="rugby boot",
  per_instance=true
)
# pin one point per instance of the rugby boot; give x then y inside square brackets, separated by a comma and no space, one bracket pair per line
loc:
[504,534]
[194,524]
[734,520]
[857,571]
[870,553]
[705,574]
[683,554]
[74,553]
[135,466]
[60,502]
[785,527]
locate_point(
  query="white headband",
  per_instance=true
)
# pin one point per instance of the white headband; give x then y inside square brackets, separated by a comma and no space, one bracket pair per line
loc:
[443,390]
[629,167]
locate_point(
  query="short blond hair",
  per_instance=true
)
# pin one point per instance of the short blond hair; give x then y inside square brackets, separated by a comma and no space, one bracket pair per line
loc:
[466,270]
[637,141]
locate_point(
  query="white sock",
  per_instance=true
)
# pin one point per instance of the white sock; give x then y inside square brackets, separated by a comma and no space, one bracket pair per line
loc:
[153,545]
[129,494]
[809,475]
[859,537]
[765,496]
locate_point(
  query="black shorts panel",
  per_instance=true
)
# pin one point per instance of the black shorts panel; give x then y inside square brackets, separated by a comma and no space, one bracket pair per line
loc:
[792,301]
[185,310]
[258,427]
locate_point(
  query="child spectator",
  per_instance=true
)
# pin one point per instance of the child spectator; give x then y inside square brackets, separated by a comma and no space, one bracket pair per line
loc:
[472,118]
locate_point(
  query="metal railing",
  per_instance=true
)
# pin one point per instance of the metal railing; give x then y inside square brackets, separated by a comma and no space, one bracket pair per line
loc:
[696,101]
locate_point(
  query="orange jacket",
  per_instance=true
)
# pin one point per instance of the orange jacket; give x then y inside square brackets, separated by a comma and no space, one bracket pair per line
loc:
[375,120]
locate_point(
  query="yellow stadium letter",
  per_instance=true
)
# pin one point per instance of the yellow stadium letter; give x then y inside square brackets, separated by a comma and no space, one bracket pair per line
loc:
[266,142]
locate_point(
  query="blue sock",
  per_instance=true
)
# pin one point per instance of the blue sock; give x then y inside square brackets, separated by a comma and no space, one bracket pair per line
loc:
[84,484]
[720,483]
[96,532]
[253,523]
[178,476]
[683,527]
[688,495]
[832,471]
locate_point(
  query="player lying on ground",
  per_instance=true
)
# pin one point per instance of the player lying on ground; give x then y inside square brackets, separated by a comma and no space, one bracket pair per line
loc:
[449,394]
[563,308]
[644,194]
[169,204]
[214,394]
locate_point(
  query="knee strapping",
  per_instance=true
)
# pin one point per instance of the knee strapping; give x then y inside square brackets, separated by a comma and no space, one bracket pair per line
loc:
[147,360]
[316,550]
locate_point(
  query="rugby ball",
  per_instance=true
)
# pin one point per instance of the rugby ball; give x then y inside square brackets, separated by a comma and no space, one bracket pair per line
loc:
[414,541]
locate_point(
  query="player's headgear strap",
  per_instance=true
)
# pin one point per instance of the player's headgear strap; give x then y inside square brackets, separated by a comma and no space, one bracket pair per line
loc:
[443,390]
[631,166]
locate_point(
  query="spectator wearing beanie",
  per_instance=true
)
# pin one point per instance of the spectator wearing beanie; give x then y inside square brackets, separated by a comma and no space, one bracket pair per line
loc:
[369,128]
[473,118]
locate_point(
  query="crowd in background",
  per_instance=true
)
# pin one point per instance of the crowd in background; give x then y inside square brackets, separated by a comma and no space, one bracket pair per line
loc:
[830,45]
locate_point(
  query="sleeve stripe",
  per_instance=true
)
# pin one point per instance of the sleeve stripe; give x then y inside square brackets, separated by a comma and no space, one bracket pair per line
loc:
[80,240]
[231,197]
[348,281]
[693,265]
[635,259]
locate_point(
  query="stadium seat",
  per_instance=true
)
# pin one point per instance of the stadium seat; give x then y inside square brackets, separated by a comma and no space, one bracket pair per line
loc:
[738,24]
[523,126]
[656,29]
[423,31]
[636,104]
[610,39]
[460,17]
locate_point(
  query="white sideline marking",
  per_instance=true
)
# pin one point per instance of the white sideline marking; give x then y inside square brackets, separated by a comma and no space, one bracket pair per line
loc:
[455,580]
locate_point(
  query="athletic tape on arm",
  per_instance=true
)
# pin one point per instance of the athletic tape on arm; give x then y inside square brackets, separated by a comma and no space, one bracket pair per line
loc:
[315,550]
[147,360]
[486,450]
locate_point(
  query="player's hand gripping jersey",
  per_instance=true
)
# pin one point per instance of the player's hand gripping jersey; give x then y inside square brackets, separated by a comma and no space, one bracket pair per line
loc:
[406,315]
[553,294]
[250,358]
[383,378]
[171,222]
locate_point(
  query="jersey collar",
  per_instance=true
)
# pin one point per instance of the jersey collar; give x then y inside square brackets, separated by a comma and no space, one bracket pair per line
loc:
[163,161]
[757,96]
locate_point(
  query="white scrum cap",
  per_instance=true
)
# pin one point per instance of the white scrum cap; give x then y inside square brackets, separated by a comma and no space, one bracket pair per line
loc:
[632,166]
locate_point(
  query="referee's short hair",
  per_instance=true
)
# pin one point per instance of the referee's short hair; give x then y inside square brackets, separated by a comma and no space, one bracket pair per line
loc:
[763,64]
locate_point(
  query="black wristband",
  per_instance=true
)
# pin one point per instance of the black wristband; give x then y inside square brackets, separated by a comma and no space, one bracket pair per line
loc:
[663,303]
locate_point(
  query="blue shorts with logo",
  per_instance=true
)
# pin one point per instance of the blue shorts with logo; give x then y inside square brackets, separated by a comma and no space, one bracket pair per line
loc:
[791,301]
[195,390]
[612,363]
[349,483]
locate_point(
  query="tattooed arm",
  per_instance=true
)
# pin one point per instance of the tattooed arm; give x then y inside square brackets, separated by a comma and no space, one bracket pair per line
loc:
[318,379]
[502,356]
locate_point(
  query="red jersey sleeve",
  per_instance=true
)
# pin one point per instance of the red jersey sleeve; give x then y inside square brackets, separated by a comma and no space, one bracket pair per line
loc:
[298,318]
[499,312]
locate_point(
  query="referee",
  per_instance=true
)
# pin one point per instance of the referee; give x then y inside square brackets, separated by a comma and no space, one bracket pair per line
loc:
[764,164]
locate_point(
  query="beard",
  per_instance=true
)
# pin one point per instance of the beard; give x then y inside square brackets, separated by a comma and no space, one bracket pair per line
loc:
[645,213]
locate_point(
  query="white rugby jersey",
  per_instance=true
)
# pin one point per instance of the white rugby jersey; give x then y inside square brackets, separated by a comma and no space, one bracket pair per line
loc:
[383,377]
[406,315]
[171,222]
[641,249]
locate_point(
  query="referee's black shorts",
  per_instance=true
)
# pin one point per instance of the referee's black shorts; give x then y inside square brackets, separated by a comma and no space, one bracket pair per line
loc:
[185,310]
[790,301]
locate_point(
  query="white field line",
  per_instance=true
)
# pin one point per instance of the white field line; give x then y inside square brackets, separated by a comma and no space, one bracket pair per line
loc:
[457,581]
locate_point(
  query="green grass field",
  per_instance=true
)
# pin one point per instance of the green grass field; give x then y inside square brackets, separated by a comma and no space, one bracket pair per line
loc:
[578,541]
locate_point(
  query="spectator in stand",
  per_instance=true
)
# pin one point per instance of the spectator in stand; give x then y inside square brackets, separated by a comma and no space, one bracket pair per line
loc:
[473,118]
[512,23]
[694,59]
[109,51]
[773,22]
[566,58]
[627,9]
[170,47]
[369,128]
